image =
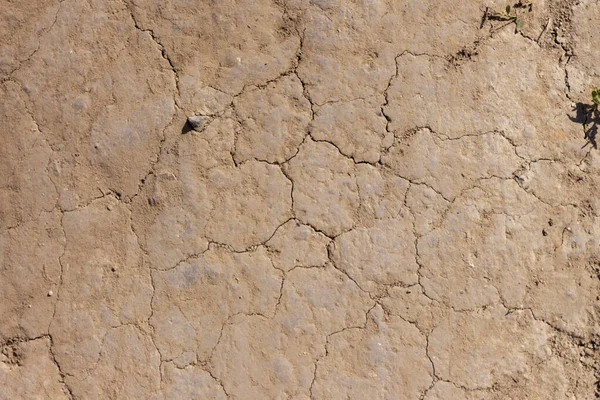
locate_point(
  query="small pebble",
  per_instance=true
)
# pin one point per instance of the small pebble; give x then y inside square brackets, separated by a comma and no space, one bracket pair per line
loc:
[50,293]
[167,176]
[198,121]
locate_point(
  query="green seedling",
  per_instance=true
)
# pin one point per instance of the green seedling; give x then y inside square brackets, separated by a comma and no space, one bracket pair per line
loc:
[510,14]
[592,108]
[504,15]
[591,118]
[595,99]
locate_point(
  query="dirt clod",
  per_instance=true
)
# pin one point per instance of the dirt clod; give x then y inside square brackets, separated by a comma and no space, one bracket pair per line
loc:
[198,122]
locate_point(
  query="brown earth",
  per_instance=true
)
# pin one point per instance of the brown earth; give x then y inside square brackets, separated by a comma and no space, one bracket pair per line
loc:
[382,199]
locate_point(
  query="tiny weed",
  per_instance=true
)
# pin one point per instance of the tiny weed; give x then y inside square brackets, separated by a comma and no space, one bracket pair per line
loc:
[593,108]
[595,99]
[590,117]
[510,14]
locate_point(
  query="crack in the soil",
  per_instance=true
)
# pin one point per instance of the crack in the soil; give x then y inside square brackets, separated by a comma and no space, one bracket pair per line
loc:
[9,75]
[326,347]
[61,374]
[58,291]
[467,53]
[330,251]
[161,47]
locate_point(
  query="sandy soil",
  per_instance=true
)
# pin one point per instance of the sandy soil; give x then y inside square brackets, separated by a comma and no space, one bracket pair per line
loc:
[378,199]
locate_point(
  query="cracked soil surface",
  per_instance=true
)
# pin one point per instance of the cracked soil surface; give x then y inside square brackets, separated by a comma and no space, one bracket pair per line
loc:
[380,199]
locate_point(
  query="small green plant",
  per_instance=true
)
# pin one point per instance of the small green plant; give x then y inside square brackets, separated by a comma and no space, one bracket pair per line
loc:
[503,15]
[510,14]
[595,99]
[590,117]
[591,109]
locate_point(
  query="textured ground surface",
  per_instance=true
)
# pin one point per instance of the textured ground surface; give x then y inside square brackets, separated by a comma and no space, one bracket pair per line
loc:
[383,199]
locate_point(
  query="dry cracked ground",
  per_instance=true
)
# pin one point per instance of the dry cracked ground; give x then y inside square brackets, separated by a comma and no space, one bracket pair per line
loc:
[380,199]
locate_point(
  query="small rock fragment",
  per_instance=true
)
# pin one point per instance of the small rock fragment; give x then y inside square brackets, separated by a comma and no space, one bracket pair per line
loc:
[50,293]
[198,122]
[167,176]
[153,200]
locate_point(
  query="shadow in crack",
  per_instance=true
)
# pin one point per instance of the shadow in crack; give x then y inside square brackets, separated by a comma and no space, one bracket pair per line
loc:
[589,116]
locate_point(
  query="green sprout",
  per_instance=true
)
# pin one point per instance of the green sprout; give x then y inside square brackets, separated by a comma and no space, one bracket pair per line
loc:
[510,14]
[503,15]
[591,118]
[593,108]
[595,98]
